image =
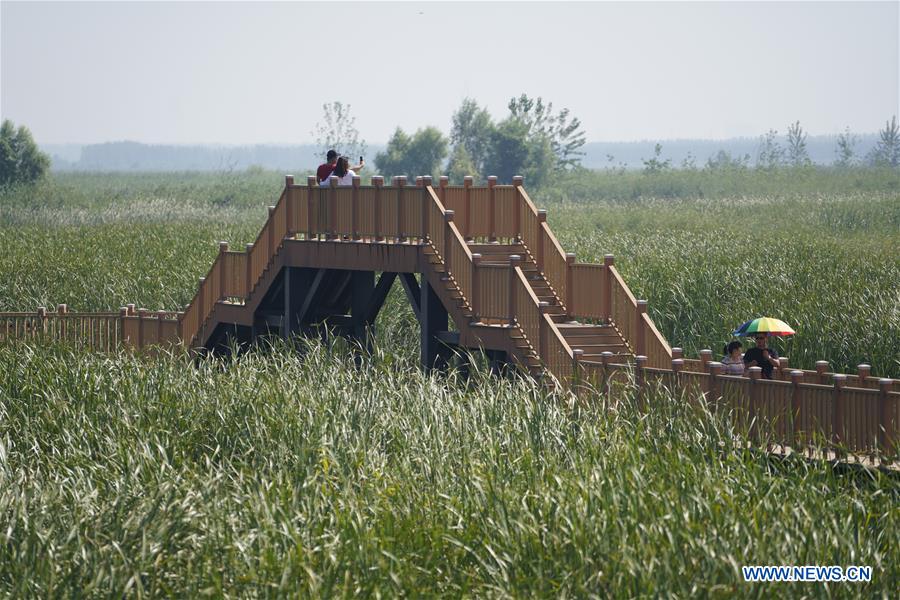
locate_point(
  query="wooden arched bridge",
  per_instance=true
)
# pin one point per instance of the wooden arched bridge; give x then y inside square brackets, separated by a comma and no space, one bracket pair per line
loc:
[484,260]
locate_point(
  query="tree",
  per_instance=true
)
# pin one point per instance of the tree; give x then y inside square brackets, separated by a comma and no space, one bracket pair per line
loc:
[844,150]
[771,154]
[509,150]
[656,164]
[565,135]
[724,161]
[471,130]
[21,161]
[460,165]
[337,131]
[796,150]
[517,151]
[419,154]
[886,152]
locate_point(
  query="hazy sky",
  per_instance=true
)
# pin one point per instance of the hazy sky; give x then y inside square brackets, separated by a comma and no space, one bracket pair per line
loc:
[222,72]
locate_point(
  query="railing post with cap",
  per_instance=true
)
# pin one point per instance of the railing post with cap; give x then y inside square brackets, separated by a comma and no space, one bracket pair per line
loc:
[821,370]
[378,182]
[288,205]
[705,359]
[518,180]
[784,372]
[311,195]
[577,353]
[863,372]
[354,209]
[476,289]
[515,261]
[467,220]
[608,261]
[492,205]
[570,292]
[223,248]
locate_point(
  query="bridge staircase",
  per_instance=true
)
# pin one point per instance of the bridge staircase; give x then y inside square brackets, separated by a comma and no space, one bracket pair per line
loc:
[482,271]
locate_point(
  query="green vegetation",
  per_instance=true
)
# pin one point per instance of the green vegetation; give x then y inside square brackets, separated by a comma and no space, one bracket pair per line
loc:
[21,162]
[285,472]
[276,474]
[411,155]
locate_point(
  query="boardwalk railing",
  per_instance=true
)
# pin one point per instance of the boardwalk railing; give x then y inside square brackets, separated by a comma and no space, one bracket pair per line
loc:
[797,414]
[856,411]
[97,331]
[821,375]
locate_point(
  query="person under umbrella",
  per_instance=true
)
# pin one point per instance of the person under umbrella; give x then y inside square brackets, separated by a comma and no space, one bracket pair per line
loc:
[761,355]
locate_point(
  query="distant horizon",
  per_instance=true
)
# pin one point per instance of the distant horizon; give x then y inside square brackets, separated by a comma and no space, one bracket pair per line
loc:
[128,155]
[238,73]
[781,133]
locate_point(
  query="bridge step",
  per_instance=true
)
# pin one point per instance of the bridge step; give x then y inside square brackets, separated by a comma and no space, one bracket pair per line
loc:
[616,358]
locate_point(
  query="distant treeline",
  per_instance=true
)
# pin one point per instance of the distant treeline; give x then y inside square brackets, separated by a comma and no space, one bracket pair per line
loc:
[135,156]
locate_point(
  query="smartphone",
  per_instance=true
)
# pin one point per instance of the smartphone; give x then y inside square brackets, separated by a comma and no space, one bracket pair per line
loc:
[360,160]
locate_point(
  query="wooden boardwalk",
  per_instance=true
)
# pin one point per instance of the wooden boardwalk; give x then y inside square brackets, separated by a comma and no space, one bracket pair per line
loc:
[485,259]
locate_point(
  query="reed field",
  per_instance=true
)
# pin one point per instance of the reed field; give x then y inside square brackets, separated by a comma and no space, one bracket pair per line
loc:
[289,471]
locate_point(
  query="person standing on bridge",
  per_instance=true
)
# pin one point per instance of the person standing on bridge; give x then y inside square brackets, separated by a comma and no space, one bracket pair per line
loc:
[343,172]
[761,355]
[733,359]
[325,170]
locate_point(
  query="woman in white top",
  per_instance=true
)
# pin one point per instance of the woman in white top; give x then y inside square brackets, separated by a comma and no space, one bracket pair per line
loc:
[342,171]
[734,359]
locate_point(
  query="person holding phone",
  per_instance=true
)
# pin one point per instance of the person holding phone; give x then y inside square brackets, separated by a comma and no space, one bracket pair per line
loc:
[343,172]
[325,169]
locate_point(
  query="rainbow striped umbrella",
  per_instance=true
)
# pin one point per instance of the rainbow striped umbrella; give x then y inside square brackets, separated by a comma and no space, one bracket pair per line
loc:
[764,325]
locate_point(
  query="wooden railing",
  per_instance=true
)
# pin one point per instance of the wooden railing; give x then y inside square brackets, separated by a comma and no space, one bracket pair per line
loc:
[863,378]
[97,331]
[858,412]
[556,354]
[624,311]
[527,308]
[143,329]
[492,291]
[589,292]
[794,414]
